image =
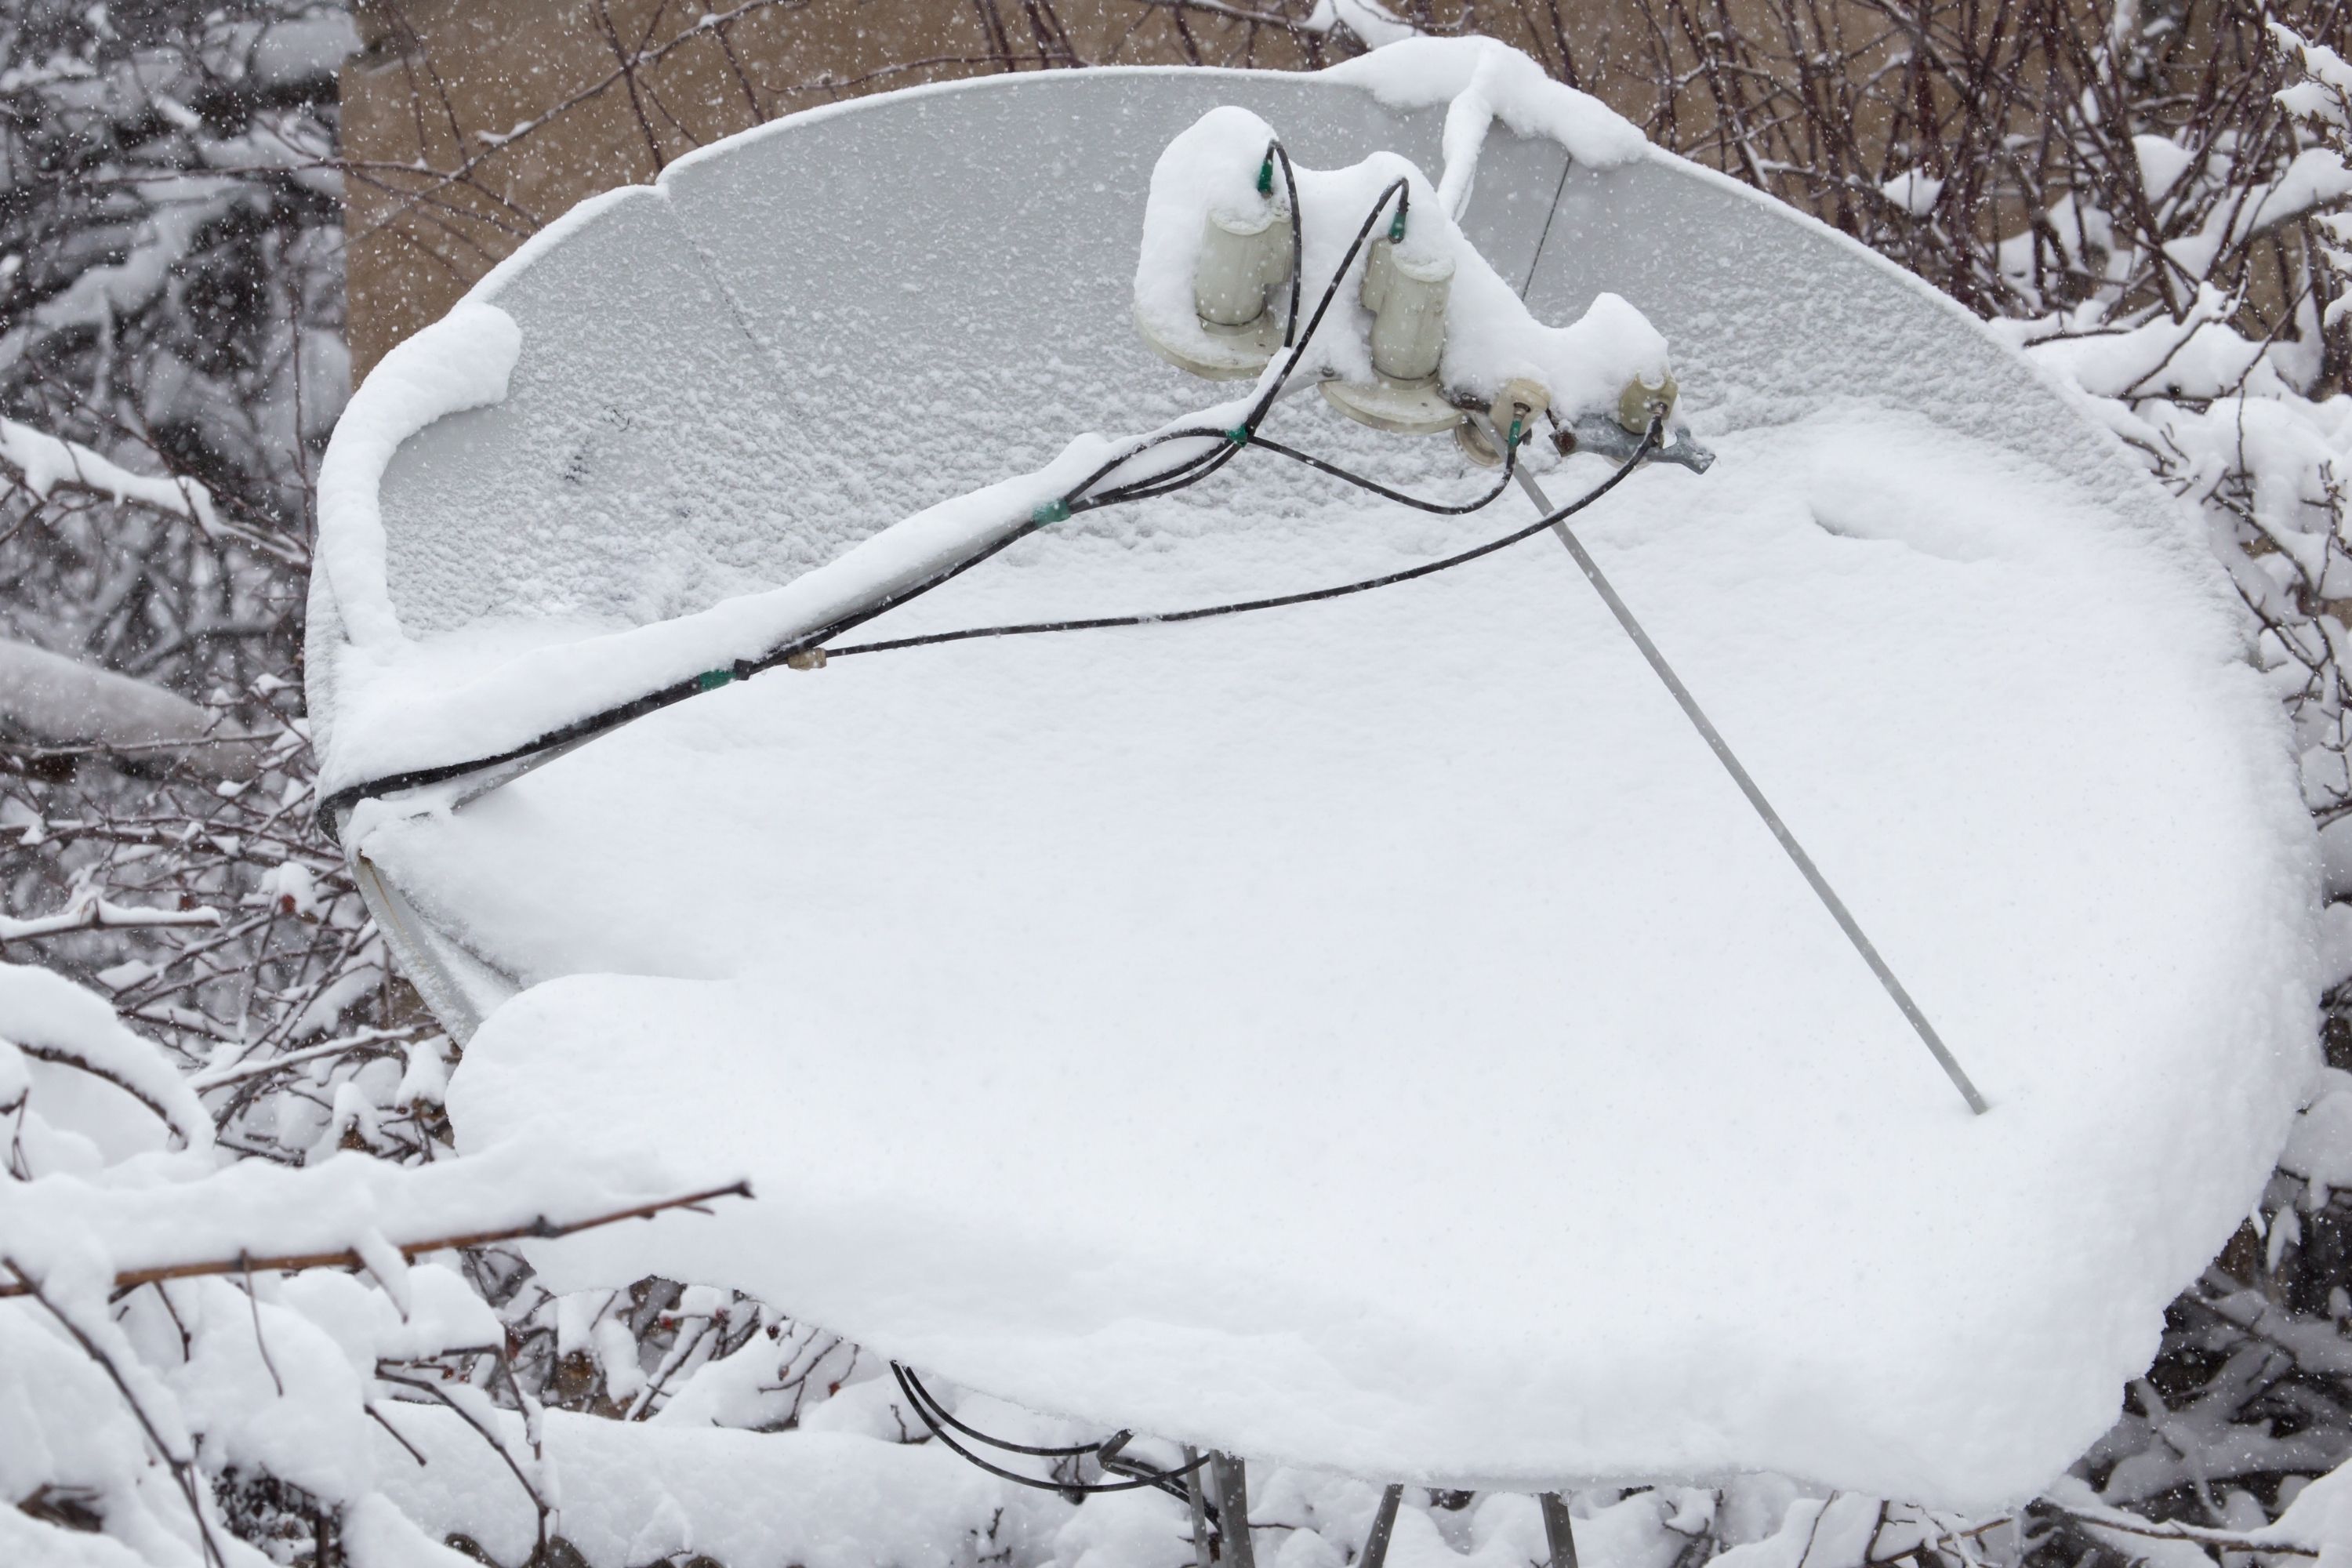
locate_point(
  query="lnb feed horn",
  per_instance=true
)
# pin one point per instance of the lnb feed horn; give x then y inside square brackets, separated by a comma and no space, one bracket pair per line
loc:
[1407,297]
[1244,258]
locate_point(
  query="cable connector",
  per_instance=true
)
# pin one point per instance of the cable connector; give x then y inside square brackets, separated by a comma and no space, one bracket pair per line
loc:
[1265,174]
[1057,511]
[712,679]
[1644,398]
[1513,414]
[1239,435]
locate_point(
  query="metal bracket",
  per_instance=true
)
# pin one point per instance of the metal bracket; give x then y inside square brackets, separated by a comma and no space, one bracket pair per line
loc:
[1230,1477]
[1196,1498]
[1560,1531]
[1376,1545]
[1599,434]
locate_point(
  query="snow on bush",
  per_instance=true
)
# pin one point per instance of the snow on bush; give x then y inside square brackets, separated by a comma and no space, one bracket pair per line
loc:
[196,1351]
[2225,418]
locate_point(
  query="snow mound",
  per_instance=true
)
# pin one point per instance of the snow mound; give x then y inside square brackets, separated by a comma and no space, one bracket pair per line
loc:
[1374,1036]
[1378,1037]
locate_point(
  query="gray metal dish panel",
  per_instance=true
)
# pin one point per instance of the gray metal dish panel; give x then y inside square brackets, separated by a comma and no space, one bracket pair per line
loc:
[823,326]
[613,481]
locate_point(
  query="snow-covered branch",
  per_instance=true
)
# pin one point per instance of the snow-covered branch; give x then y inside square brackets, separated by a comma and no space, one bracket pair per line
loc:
[186,1205]
[88,910]
[64,705]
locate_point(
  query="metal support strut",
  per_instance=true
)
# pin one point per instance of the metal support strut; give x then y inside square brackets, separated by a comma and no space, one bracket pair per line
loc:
[1229,1477]
[1731,764]
[1559,1531]
[1195,1489]
[1376,1545]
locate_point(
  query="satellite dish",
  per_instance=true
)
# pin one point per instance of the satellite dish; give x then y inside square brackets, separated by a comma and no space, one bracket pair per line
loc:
[1374,1033]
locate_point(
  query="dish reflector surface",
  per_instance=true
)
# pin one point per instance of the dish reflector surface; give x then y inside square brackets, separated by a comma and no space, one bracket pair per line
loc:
[1375,1035]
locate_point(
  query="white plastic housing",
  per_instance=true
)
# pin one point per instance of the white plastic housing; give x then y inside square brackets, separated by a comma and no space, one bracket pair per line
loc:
[1243,258]
[1407,300]
[1642,397]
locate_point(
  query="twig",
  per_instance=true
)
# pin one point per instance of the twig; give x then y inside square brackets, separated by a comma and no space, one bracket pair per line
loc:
[541,1228]
[261,1345]
[426,1385]
[89,912]
[59,1056]
[183,1468]
[2228,1539]
[377,1416]
[219,1077]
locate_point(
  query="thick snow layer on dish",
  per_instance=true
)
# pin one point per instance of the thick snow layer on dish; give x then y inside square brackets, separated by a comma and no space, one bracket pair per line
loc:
[1376,1036]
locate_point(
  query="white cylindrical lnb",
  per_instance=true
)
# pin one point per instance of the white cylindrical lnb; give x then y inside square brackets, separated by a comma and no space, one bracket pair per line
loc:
[1243,258]
[1407,300]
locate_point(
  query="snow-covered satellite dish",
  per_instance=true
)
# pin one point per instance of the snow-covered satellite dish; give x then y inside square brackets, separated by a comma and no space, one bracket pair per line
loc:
[1375,1033]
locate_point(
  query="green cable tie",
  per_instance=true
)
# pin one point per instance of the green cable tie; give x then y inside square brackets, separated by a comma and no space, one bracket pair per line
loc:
[1265,176]
[1239,435]
[712,679]
[1051,511]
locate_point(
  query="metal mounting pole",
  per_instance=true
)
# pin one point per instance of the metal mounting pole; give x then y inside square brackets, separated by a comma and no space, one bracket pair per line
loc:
[1232,1479]
[1731,764]
[1376,1545]
[1560,1531]
[1196,1487]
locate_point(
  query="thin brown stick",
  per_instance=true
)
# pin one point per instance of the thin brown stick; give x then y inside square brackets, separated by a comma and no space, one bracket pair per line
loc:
[541,1228]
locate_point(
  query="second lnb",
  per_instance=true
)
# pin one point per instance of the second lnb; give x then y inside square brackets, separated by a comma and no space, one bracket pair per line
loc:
[1245,257]
[1407,298]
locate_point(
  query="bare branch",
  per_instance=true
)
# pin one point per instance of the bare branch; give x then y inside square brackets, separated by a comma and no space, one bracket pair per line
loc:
[349,1257]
